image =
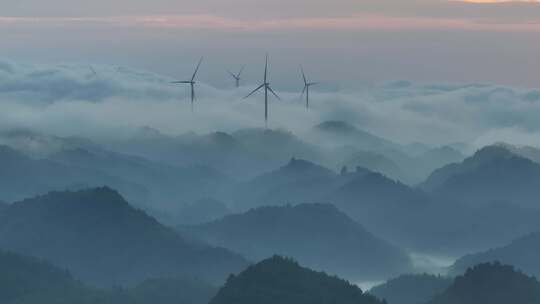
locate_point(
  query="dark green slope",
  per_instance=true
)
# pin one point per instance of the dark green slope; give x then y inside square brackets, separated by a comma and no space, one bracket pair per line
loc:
[491,284]
[281,280]
[317,235]
[27,280]
[101,239]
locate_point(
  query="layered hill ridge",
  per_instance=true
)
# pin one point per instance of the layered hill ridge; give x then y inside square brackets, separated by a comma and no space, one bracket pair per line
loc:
[22,176]
[494,173]
[282,280]
[491,283]
[27,280]
[318,235]
[101,239]
[522,253]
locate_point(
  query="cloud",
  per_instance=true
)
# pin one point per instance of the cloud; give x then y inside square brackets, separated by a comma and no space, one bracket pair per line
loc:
[69,100]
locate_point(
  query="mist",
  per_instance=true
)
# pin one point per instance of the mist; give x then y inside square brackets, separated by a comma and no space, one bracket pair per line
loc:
[69,100]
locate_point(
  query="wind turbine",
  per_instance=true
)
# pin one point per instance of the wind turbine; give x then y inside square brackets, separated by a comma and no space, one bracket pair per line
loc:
[191,82]
[236,76]
[307,85]
[267,88]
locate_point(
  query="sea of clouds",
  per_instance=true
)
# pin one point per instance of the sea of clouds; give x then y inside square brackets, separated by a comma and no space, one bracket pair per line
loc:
[72,100]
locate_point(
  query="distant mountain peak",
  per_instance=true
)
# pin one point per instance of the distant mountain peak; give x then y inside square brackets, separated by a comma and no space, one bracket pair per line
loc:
[493,152]
[283,280]
[491,283]
[301,166]
[97,197]
[98,236]
[222,139]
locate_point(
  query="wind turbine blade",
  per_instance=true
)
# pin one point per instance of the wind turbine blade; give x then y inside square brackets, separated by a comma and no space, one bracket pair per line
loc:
[314,83]
[303,92]
[197,69]
[176,82]
[274,93]
[253,92]
[232,75]
[303,75]
[240,72]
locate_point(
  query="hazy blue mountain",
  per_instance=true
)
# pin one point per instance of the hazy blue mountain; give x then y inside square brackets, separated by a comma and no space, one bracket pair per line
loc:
[401,214]
[39,145]
[529,152]
[298,181]
[480,159]
[493,174]
[491,284]
[22,177]
[411,288]
[344,133]
[203,211]
[375,162]
[23,278]
[317,235]
[281,280]
[376,200]
[522,253]
[245,153]
[101,239]
[169,187]
[27,280]
[410,164]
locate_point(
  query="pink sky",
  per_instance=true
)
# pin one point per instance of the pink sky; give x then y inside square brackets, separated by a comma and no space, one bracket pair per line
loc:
[444,40]
[353,22]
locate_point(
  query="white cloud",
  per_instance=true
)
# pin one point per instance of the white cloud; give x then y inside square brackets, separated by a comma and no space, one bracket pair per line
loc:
[70,100]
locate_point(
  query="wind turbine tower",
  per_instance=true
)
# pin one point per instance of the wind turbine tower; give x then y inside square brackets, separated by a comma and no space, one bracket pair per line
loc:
[192,83]
[236,76]
[307,85]
[267,88]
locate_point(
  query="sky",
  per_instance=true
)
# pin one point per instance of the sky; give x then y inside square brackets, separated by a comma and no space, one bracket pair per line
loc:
[432,71]
[342,43]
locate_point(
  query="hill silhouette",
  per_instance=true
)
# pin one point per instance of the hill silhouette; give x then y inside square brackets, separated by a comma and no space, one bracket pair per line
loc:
[317,235]
[389,208]
[346,133]
[521,253]
[22,177]
[355,147]
[282,280]
[246,152]
[27,280]
[298,181]
[491,283]
[168,188]
[494,173]
[102,240]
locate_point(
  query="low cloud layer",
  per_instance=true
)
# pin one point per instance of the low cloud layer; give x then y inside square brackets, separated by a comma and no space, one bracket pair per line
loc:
[113,103]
